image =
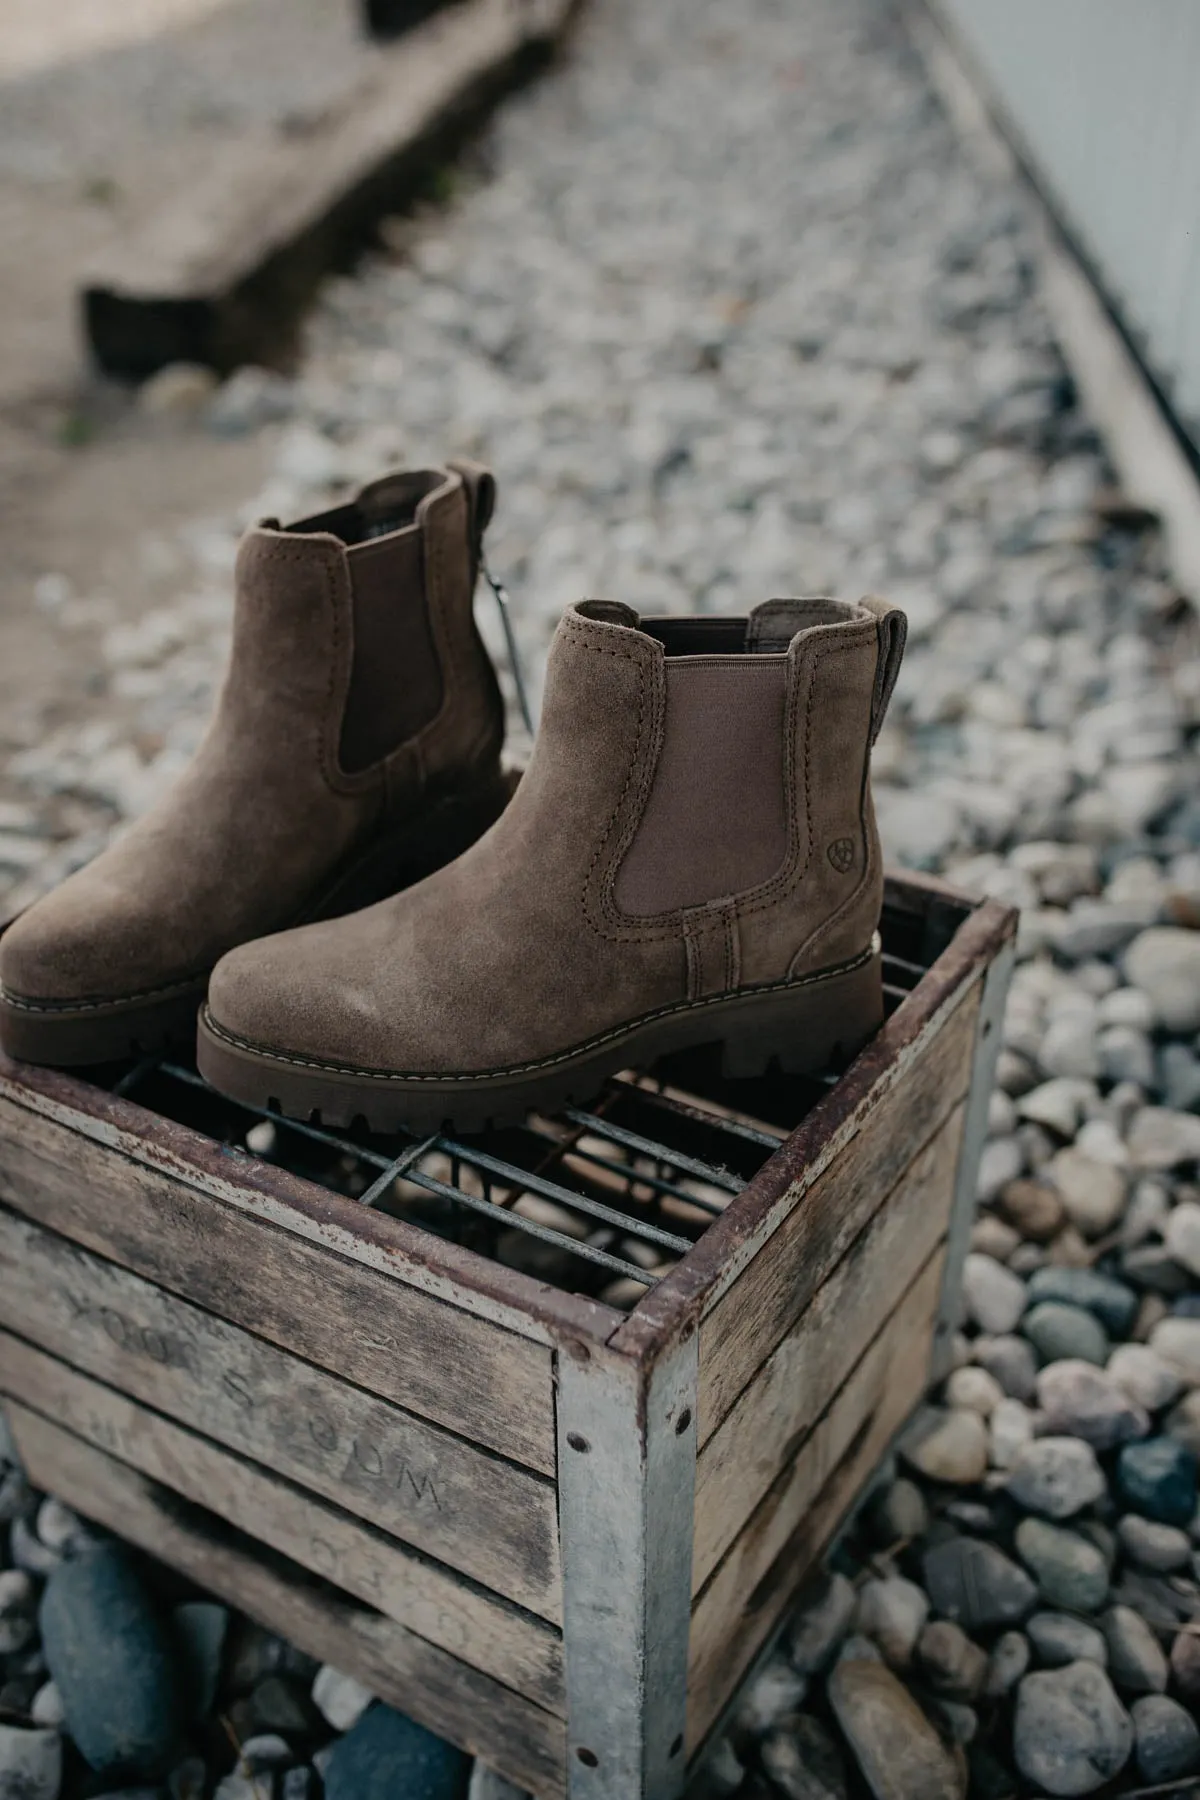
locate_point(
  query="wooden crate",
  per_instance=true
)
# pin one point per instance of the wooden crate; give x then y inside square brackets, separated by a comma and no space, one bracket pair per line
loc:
[556,1532]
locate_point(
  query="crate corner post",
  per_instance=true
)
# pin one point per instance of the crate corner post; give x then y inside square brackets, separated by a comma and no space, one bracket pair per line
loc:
[627,1445]
[988,1037]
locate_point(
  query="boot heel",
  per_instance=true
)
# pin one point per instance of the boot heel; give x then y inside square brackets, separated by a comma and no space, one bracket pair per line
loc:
[820,1026]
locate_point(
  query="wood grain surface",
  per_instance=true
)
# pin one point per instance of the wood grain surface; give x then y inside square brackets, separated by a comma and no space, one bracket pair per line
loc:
[438,1492]
[445,1363]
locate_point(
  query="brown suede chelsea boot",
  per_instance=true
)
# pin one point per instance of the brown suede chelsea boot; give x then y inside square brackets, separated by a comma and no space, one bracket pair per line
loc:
[354,749]
[690,858]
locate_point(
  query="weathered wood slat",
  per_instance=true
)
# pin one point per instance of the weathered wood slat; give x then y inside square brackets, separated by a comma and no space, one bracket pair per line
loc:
[117,1128]
[432,1601]
[491,1519]
[397,1341]
[755,1313]
[752,1586]
[522,1740]
[797,1382]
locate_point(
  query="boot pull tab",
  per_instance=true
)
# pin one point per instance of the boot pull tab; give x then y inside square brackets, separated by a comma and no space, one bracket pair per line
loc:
[480,485]
[891,629]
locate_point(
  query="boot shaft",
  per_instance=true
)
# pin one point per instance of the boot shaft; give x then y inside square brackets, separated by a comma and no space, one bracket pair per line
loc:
[354,632]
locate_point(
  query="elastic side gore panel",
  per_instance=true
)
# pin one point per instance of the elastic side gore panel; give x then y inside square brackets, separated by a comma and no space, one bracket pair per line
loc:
[395,681]
[714,823]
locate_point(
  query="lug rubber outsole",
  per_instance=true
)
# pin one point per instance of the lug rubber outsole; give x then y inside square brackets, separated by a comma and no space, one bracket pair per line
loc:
[804,1025]
[83,1032]
[99,1031]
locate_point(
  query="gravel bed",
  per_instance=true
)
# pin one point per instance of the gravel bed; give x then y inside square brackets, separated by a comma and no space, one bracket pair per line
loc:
[733,316]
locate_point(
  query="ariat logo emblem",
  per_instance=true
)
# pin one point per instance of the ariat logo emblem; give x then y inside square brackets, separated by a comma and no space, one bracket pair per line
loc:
[841,854]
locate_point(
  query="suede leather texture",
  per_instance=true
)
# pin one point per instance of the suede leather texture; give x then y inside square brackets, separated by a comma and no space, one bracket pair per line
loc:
[521,949]
[265,814]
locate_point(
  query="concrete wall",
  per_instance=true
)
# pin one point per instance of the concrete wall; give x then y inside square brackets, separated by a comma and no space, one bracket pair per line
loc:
[1105,95]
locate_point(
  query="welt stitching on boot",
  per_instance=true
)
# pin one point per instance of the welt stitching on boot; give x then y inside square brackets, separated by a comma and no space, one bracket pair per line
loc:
[354,749]
[691,857]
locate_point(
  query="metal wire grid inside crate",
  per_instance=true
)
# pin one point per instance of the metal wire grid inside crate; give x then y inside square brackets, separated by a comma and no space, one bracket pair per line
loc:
[599,1200]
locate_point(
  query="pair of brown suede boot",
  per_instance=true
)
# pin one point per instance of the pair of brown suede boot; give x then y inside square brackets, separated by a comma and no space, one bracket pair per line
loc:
[691,856]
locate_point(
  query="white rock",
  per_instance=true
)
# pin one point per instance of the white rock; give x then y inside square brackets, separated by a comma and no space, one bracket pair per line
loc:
[776,1690]
[1002,1114]
[1063,872]
[251,397]
[46,1708]
[307,459]
[1142,1374]
[994,1296]
[1100,1140]
[1057,1104]
[1147,1213]
[1056,1476]
[1070,1049]
[28,1551]
[1092,1192]
[1095,928]
[891,1612]
[947,1446]
[265,1750]
[17,1592]
[261,1138]
[916,828]
[340,1700]
[1162,1139]
[1165,963]
[1177,1341]
[1138,881]
[1001,1162]
[1126,1054]
[991,1236]
[821,1620]
[1127,1006]
[1011,1428]
[1183,1236]
[974,1389]
[61,1529]
[1137,795]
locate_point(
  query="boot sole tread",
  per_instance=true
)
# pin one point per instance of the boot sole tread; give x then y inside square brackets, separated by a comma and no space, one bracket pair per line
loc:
[804,1024]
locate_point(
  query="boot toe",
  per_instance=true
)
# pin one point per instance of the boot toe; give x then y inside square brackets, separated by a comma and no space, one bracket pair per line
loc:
[71,946]
[325,994]
[276,995]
